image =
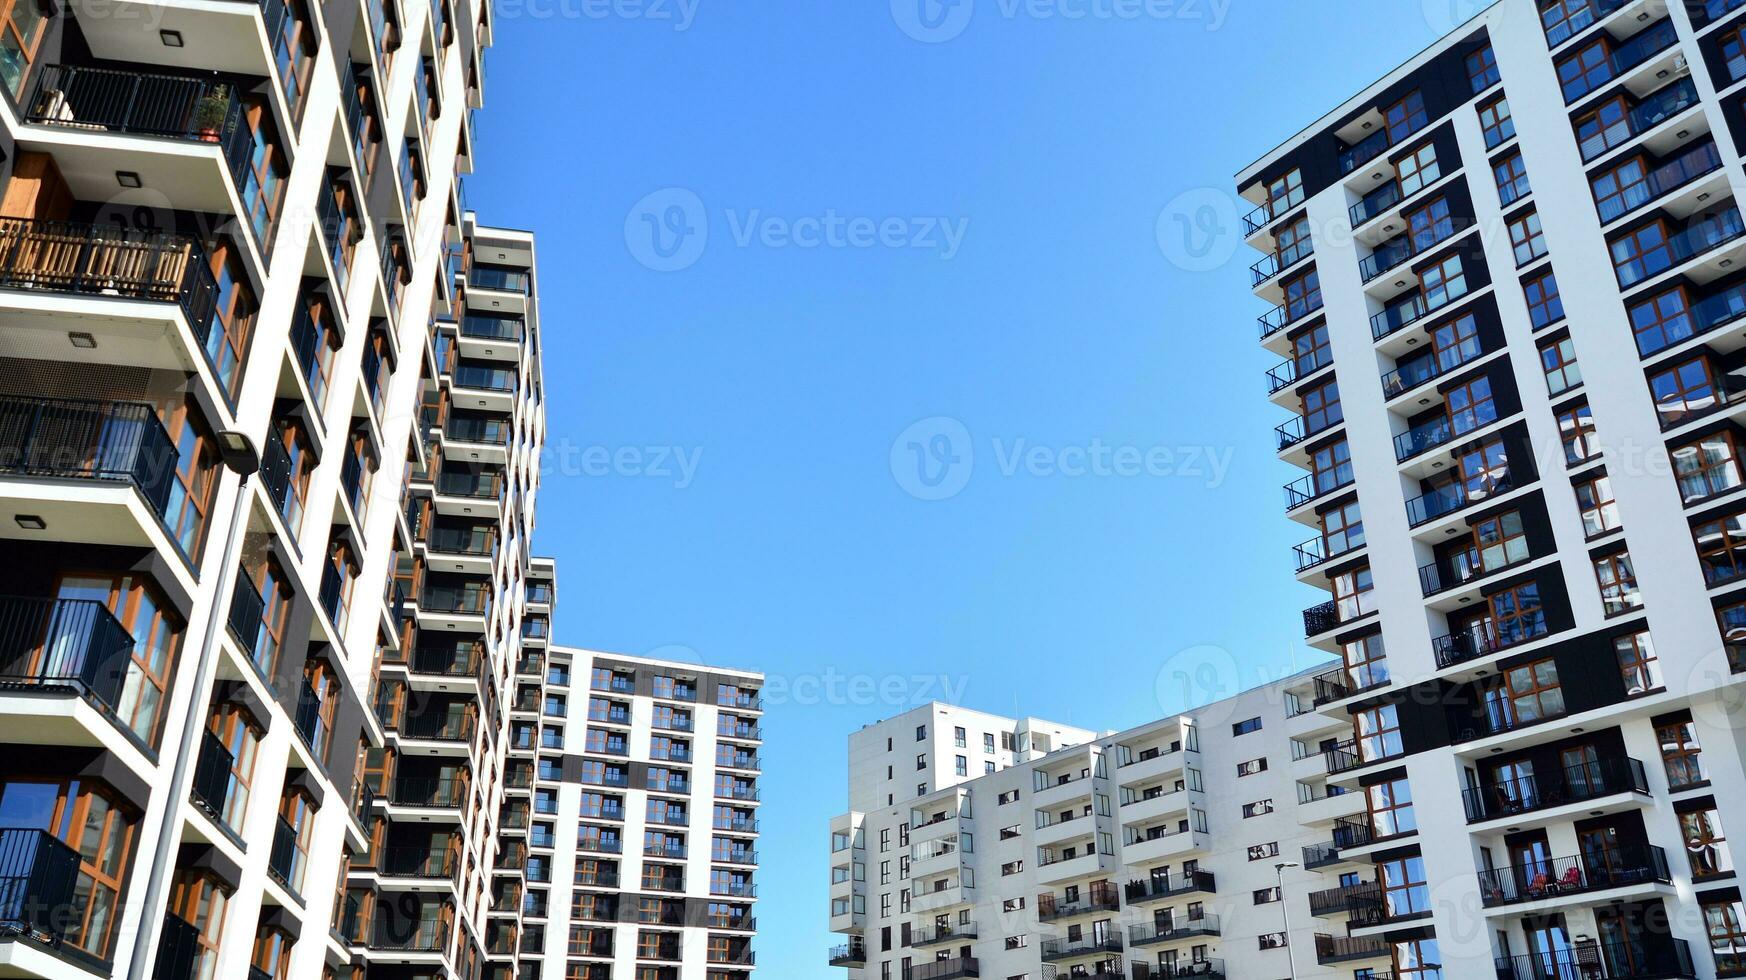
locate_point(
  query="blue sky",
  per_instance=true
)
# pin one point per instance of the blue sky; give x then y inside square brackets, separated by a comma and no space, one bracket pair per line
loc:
[922,395]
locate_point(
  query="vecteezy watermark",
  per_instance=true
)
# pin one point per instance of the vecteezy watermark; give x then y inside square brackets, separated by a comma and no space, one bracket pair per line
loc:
[830,687]
[938,21]
[1197,230]
[681,14]
[677,464]
[668,230]
[934,458]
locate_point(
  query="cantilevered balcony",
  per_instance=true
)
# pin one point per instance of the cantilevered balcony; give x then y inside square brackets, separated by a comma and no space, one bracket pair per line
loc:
[1054,950]
[1517,795]
[1652,111]
[1174,930]
[1051,909]
[1660,178]
[1347,949]
[1486,638]
[1161,887]
[1345,899]
[1620,60]
[1617,867]
[63,645]
[852,954]
[941,935]
[98,441]
[1655,958]
[950,969]
[39,875]
[1194,968]
[1698,238]
[1451,497]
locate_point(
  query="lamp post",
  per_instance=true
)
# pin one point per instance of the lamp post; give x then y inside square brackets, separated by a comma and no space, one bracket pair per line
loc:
[1285,913]
[239,455]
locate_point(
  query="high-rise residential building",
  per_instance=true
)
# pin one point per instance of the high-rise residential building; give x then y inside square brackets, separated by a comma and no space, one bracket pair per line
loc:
[270,419]
[633,815]
[1504,287]
[1507,290]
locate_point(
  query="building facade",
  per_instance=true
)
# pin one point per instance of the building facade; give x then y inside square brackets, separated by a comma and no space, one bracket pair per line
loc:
[270,422]
[634,803]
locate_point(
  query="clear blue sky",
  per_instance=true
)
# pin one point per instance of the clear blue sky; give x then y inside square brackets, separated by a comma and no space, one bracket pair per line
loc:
[795,547]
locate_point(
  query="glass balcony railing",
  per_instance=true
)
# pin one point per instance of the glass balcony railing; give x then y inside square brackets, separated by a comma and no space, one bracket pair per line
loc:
[1375,203]
[1364,151]
[1672,175]
[1487,638]
[1646,115]
[484,378]
[1451,497]
[1410,374]
[1273,263]
[507,280]
[1710,313]
[1577,16]
[1640,48]
[1422,438]
[1279,317]
[1395,251]
[1414,308]
[1694,240]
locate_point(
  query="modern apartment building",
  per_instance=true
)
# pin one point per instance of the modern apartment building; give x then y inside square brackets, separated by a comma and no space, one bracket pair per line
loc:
[632,817]
[270,415]
[1506,286]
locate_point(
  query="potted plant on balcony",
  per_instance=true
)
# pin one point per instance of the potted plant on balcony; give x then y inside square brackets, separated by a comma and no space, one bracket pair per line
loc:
[210,113]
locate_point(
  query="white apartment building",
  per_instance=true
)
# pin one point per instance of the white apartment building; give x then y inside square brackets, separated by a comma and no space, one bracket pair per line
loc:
[637,781]
[1505,286]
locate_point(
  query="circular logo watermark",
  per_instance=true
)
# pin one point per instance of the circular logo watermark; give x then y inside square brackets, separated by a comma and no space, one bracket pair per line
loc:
[1196,677]
[1197,230]
[667,230]
[933,458]
[1446,15]
[933,21]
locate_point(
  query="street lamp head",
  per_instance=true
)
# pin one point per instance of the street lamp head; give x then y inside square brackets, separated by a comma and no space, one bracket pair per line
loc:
[1281,866]
[238,452]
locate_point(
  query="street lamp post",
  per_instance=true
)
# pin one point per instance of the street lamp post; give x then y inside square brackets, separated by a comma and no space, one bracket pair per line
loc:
[1285,914]
[238,454]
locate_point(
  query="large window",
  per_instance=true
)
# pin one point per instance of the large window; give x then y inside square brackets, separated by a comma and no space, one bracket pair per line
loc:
[1600,513]
[1495,122]
[1342,529]
[1284,193]
[324,689]
[1417,959]
[1661,321]
[1430,224]
[1563,18]
[1707,467]
[1321,408]
[297,810]
[1442,282]
[1721,547]
[1404,888]
[1333,466]
[1303,293]
[1527,237]
[240,735]
[1512,179]
[1723,922]
[199,900]
[1681,755]
[1499,542]
[1310,350]
[1638,667]
[1684,391]
[1418,169]
[1391,808]
[1366,662]
[1518,615]
[1558,362]
[1352,593]
[1545,306]
[1585,69]
[1471,406]
[156,636]
[1705,846]
[1620,189]
[1576,432]
[1618,584]
[87,819]
[1641,254]
[1524,695]
[1482,69]
[233,302]
[293,54]
[1378,733]
[1405,117]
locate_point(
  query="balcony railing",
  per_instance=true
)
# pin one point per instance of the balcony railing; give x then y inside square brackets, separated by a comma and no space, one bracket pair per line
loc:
[1575,784]
[1413,373]
[1338,685]
[1172,930]
[460,484]
[1320,618]
[90,440]
[1668,177]
[1315,551]
[848,954]
[1645,45]
[1342,949]
[38,875]
[947,933]
[282,859]
[450,599]
[1451,497]
[445,792]
[1161,886]
[212,769]
[447,661]
[1375,203]
[490,432]
[962,966]
[180,955]
[1485,639]
[1651,112]
[1688,243]
[1414,308]
[1579,16]
[1279,317]
[508,280]
[64,644]
[407,861]
[1364,151]
[1616,961]
[1062,949]
[1194,968]
[1422,438]
[1303,490]
[1273,263]
[1345,898]
[1392,253]
[1616,867]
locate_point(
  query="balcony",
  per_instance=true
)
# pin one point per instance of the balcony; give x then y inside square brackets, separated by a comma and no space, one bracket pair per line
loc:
[1410,374]
[1067,949]
[1638,961]
[1321,618]
[1174,930]
[1451,497]
[943,934]
[1661,179]
[1397,250]
[1338,685]
[1646,115]
[1359,898]
[1518,795]
[119,442]
[1346,949]
[72,258]
[961,966]
[1205,968]
[1364,151]
[1280,317]
[1049,910]
[1639,49]
[1317,551]
[1375,204]
[71,645]
[1621,867]
[1273,263]
[1692,241]
[212,772]
[853,954]
[1709,313]
[1580,15]
[1485,639]
[429,792]
[1162,887]
[38,875]
[428,862]
[1315,486]
[1423,438]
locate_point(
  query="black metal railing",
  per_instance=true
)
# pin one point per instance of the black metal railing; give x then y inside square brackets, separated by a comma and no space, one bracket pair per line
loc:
[1341,949]
[283,858]
[962,966]
[276,477]
[1514,795]
[71,644]
[1485,638]
[1173,929]
[1617,961]
[212,769]
[179,952]
[1202,968]
[89,440]
[462,484]
[431,861]
[946,933]
[1320,618]
[246,608]
[434,791]
[1345,898]
[1061,949]
[38,875]
[1165,886]
[1614,867]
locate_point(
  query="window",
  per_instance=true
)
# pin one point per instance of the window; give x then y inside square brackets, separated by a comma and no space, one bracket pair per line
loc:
[1010,796]
[1495,122]
[1442,282]
[190,493]
[1352,593]
[1391,808]
[1303,293]
[1430,224]
[1641,254]
[1637,663]
[1333,467]
[1576,430]
[1518,615]
[1722,922]
[1707,467]
[1734,53]
[1527,238]
[1525,694]
[1404,891]
[1512,179]
[1266,896]
[1417,959]
[1545,307]
[272,953]
[1405,117]
[1558,361]
[240,735]
[233,303]
[1618,584]
[1585,70]
[1377,733]
[1620,189]
[85,818]
[1482,69]
[1366,662]
[1251,767]
[1661,321]
[961,765]
[1705,846]
[1257,809]
[1595,499]
[1471,406]
[1681,755]
[1321,408]
[323,692]
[296,814]
[1260,852]
[921,761]
[199,901]
[1342,530]
[1563,18]
[1721,546]
[959,737]
[1311,350]
[270,584]
[1684,391]
[1499,542]
[1607,126]
[921,733]
[1245,727]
